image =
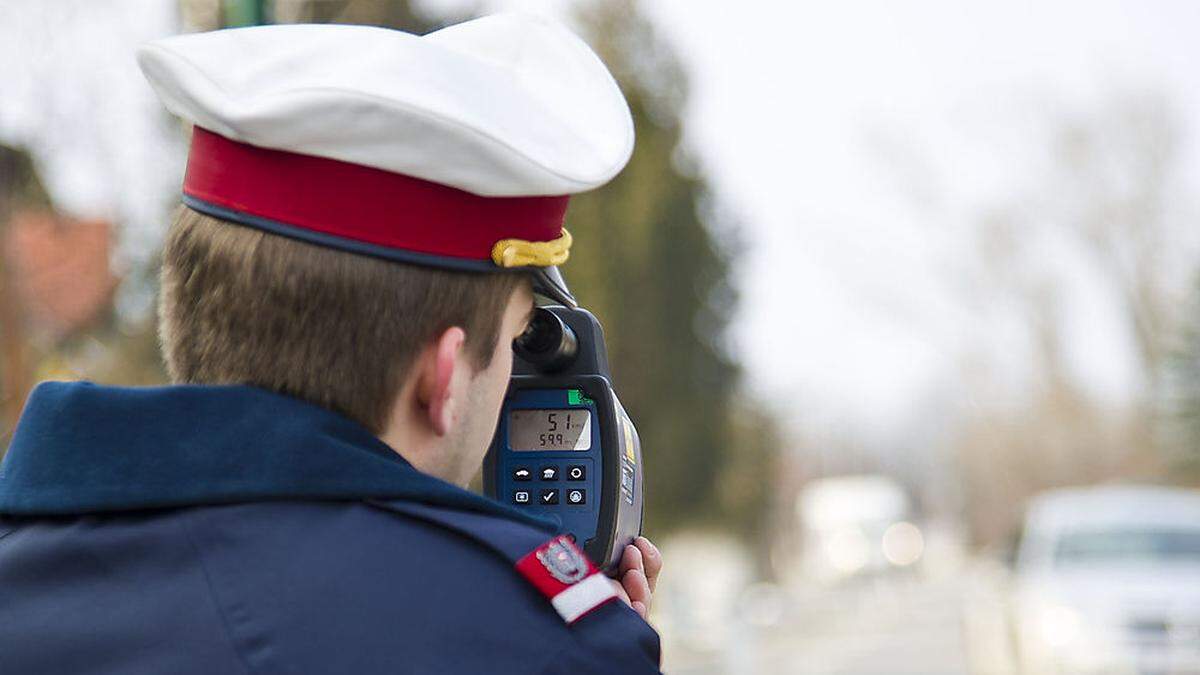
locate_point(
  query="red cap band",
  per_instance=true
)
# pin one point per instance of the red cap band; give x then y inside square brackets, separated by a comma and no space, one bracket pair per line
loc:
[362,203]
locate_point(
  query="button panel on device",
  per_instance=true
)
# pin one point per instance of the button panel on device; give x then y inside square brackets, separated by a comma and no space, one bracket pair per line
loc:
[557,488]
[563,484]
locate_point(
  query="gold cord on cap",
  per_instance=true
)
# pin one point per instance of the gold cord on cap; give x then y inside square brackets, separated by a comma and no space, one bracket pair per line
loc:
[521,253]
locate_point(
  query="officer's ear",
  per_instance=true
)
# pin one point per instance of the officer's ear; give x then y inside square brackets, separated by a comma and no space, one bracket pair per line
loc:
[442,366]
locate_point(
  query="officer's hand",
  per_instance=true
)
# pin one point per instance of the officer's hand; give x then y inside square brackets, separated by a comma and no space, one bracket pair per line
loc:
[638,574]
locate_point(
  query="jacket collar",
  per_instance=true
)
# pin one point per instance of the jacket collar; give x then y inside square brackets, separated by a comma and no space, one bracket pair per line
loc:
[84,448]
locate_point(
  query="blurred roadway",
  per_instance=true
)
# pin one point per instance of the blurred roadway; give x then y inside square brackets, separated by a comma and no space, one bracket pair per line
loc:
[899,626]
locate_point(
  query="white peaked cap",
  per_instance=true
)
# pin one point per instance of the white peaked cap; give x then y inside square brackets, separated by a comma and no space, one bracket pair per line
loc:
[501,106]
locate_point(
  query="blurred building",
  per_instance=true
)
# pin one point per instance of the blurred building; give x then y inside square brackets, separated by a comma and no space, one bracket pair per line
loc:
[60,271]
[55,279]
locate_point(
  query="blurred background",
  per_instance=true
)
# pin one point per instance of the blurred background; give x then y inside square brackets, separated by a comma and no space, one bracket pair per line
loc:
[903,296]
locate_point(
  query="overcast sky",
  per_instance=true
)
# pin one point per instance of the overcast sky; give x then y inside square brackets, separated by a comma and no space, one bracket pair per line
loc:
[855,138]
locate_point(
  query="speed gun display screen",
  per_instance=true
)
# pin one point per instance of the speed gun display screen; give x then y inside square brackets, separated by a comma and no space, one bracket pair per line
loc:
[532,430]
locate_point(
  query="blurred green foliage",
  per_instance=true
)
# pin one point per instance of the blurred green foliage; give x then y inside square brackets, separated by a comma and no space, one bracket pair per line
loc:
[653,272]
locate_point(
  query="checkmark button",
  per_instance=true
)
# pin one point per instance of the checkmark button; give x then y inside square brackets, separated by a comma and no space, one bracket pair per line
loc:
[548,497]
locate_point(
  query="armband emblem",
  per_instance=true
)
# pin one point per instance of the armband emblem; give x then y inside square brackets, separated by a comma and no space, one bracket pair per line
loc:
[564,575]
[564,561]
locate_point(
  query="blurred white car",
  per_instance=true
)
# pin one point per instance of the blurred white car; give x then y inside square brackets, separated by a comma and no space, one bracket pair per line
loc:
[856,525]
[1108,581]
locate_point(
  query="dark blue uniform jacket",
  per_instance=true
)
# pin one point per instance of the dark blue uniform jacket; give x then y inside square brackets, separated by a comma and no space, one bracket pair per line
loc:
[200,529]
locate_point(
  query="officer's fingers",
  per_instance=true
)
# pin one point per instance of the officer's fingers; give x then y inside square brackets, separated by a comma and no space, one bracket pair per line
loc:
[640,608]
[636,586]
[651,559]
[631,559]
[621,592]
[633,575]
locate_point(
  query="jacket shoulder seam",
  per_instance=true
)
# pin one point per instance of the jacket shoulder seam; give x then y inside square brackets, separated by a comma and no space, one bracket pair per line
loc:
[212,596]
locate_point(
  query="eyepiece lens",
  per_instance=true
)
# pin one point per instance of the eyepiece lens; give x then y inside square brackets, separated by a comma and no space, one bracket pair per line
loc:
[547,342]
[543,333]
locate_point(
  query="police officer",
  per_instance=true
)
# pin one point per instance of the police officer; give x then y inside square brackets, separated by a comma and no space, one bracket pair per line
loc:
[367,215]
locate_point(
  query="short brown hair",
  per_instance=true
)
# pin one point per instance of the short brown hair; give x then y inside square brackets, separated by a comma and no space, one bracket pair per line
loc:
[245,306]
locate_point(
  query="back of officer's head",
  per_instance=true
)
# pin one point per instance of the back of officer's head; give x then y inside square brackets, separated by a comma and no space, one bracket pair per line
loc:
[243,306]
[451,146]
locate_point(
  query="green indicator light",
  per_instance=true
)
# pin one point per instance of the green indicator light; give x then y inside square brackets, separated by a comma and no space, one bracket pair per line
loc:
[576,397]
